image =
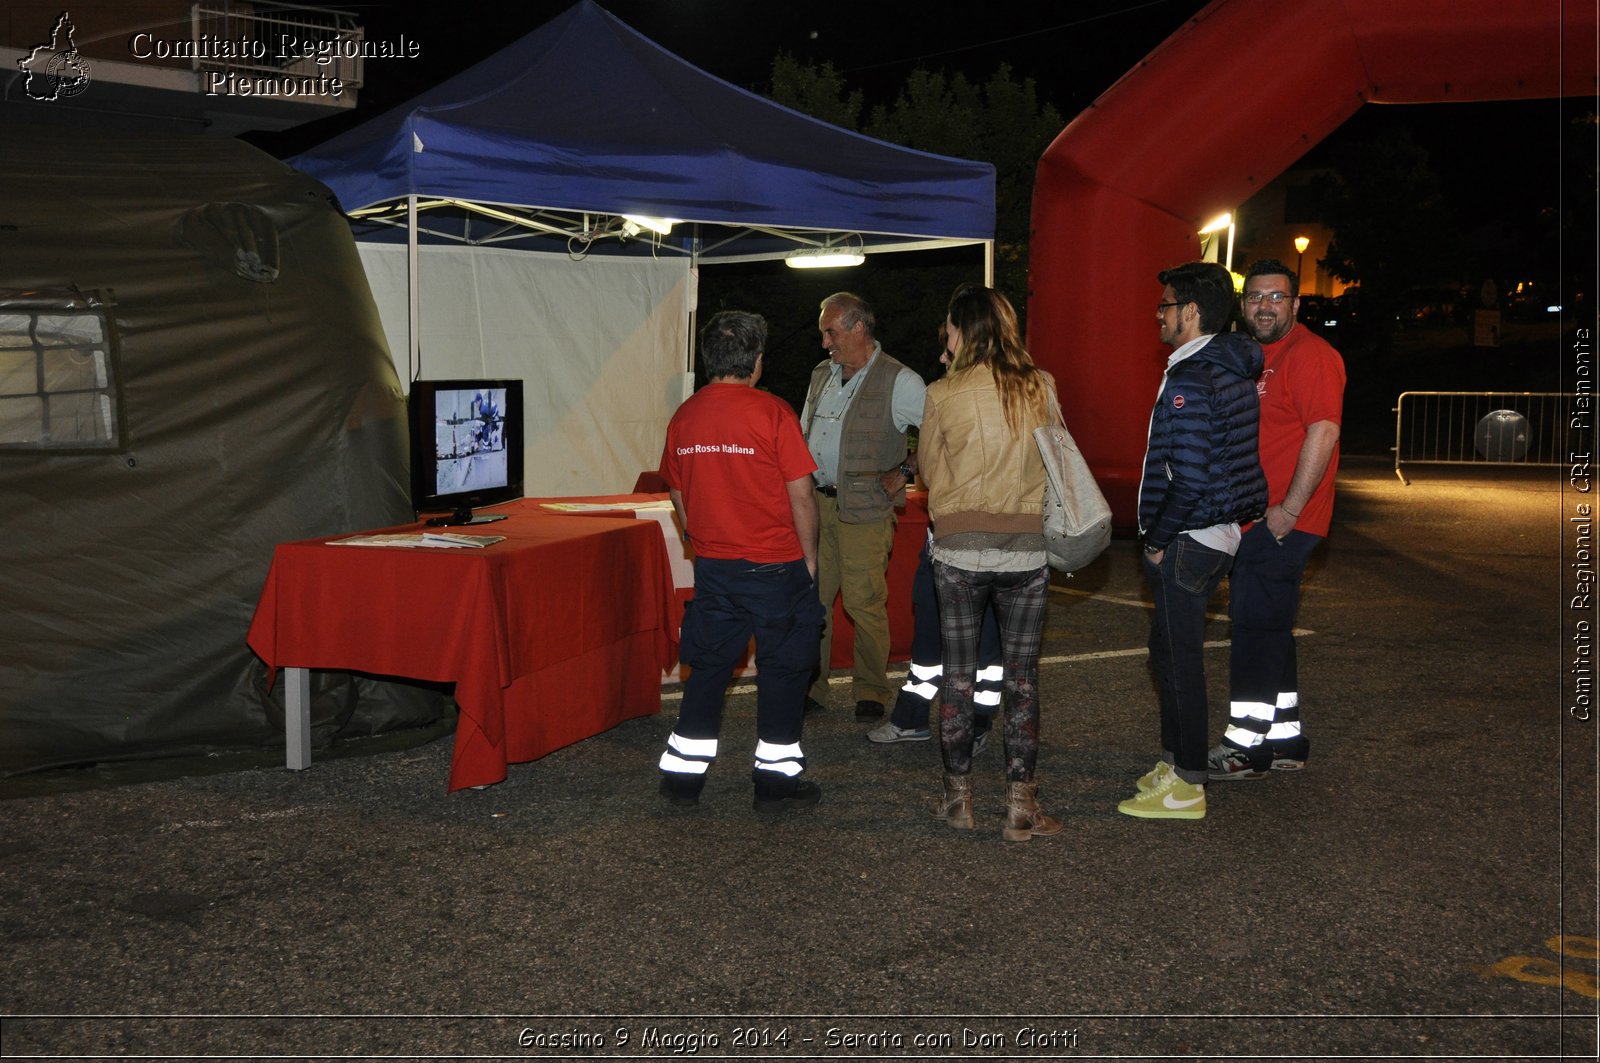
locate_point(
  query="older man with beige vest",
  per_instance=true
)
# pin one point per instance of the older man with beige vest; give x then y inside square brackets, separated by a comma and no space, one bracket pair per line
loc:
[858,408]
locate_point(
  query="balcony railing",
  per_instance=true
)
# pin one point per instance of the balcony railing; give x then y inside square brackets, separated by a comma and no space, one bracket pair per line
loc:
[258,40]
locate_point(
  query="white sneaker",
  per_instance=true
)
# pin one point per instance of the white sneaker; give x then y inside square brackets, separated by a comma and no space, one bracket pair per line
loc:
[888,732]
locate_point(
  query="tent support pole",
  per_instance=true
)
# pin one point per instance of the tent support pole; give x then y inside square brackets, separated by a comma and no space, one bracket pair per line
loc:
[694,305]
[413,291]
[988,263]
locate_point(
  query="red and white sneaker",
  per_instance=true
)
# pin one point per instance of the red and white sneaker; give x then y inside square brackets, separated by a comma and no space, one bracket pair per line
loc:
[1228,762]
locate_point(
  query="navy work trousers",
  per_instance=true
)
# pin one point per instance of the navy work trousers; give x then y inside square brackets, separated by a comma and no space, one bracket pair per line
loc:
[734,600]
[1263,598]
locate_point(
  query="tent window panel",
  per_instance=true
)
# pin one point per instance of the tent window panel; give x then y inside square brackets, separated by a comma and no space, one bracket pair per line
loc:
[21,420]
[57,381]
[19,373]
[74,371]
[79,415]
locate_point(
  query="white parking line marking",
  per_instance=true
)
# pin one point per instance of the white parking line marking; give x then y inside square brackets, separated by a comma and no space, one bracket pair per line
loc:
[1100,655]
[1140,603]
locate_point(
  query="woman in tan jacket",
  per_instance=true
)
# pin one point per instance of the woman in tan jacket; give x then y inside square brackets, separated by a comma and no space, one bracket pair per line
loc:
[986,502]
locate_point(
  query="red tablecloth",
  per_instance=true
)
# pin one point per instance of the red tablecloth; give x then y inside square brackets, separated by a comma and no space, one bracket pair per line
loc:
[556,634]
[911,531]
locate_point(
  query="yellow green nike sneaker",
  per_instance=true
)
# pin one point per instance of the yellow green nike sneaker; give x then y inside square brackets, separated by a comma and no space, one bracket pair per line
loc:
[1171,798]
[1152,778]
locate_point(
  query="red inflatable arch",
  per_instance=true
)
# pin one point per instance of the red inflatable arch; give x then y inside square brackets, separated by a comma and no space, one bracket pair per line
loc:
[1226,104]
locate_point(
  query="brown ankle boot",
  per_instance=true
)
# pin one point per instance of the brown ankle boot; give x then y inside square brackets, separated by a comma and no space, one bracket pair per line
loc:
[1024,817]
[956,808]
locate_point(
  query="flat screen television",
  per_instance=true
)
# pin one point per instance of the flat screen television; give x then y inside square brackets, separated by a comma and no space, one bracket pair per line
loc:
[466,448]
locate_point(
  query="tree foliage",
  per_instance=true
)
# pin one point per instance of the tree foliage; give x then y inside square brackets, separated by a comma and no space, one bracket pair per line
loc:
[1001,121]
[819,91]
[1393,230]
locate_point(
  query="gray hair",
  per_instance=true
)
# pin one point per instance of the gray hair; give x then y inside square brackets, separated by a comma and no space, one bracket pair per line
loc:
[853,310]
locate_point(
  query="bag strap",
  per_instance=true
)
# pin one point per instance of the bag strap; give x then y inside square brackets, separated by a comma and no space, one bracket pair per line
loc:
[1055,408]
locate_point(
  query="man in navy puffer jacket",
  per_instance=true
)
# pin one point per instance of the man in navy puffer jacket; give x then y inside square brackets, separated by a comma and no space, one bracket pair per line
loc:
[1201,479]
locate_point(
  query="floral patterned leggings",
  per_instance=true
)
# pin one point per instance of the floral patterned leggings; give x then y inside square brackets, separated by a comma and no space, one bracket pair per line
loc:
[1019,600]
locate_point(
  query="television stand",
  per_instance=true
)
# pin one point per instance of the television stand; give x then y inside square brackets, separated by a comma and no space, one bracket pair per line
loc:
[464,515]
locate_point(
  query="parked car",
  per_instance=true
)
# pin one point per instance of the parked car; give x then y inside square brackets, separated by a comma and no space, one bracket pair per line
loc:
[1321,314]
[1433,306]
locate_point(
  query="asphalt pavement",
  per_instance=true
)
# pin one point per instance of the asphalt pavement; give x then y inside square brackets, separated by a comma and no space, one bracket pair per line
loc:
[1426,888]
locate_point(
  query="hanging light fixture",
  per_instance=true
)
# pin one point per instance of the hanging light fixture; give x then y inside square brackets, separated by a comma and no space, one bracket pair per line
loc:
[824,258]
[850,250]
[829,256]
[633,224]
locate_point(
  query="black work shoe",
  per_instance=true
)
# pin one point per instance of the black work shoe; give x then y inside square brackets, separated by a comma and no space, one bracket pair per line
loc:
[1290,754]
[789,795]
[868,710]
[813,706]
[682,791]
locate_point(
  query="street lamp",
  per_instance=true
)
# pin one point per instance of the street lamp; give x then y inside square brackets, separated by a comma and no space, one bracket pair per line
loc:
[1215,225]
[1300,245]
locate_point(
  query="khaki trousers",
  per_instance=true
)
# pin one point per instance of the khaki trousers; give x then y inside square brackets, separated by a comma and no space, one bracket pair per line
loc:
[853,560]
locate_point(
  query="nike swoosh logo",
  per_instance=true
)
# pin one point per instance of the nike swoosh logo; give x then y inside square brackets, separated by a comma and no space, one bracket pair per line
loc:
[1174,803]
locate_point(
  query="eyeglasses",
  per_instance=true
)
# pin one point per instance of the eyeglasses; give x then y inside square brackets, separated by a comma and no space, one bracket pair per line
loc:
[1161,308]
[1252,298]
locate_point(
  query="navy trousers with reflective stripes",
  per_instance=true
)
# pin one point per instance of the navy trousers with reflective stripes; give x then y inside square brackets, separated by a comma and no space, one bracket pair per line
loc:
[1264,597]
[777,604]
[926,672]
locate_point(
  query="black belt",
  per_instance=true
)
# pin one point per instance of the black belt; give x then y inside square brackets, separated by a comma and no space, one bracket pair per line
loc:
[829,492]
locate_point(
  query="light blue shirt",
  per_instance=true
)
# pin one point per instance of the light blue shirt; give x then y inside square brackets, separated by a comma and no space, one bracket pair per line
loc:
[906,404]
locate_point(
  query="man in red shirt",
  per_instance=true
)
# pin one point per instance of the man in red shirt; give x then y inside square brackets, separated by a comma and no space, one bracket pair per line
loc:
[739,473]
[1302,402]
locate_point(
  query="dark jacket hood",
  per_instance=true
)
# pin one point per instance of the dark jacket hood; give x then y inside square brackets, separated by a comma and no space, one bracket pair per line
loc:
[1234,351]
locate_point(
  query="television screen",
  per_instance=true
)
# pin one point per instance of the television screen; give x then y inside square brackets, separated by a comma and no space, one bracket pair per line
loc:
[466,446]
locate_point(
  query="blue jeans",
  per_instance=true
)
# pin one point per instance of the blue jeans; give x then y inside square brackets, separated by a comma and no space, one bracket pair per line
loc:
[775,603]
[1182,586]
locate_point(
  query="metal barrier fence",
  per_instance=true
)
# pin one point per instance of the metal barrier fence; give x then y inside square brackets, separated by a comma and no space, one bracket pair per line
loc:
[1482,428]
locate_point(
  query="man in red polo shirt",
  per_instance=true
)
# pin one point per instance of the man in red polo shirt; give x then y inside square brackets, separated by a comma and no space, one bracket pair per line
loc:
[1302,402]
[739,473]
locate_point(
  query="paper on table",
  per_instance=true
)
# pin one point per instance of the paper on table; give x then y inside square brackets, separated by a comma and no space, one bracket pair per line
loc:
[436,540]
[590,507]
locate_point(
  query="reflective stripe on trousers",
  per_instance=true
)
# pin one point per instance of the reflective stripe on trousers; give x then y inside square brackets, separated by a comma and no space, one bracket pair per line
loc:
[785,760]
[688,756]
[922,681]
[1252,722]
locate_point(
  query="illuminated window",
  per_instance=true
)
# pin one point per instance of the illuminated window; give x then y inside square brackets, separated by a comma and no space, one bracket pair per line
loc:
[58,373]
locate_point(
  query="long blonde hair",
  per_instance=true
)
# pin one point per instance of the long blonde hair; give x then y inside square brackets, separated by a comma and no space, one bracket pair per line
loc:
[990,335]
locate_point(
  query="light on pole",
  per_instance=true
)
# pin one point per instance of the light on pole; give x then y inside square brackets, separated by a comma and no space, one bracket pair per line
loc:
[1215,225]
[1300,245]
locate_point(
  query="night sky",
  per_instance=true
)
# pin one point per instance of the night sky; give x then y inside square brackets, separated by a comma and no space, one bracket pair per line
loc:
[1074,50]
[1493,157]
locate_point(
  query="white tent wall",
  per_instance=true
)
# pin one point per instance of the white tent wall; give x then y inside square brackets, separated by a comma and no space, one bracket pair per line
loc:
[600,342]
